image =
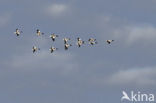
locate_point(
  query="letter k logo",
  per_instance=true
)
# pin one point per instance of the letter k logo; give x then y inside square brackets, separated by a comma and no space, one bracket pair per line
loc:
[125,96]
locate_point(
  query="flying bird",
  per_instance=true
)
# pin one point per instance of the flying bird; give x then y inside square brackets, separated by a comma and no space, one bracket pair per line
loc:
[66,40]
[92,41]
[79,42]
[53,36]
[38,32]
[66,46]
[109,41]
[52,49]
[34,49]
[18,32]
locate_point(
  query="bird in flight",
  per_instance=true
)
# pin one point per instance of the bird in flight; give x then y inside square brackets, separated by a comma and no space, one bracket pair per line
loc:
[53,36]
[17,32]
[66,46]
[38,32]
[79,42]
[109,41]
[52,49]
[34,49]
[66,40]
[92,41]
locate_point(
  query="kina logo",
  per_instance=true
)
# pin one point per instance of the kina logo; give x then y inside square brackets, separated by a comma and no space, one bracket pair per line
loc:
[137,97]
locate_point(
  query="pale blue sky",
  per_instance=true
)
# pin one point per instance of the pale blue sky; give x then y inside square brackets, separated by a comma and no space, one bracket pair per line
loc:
[96,74]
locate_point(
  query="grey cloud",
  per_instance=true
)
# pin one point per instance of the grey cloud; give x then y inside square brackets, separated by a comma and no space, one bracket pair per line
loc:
[136,33]
[4,19]
[62,62]
[140,77]
[57,10]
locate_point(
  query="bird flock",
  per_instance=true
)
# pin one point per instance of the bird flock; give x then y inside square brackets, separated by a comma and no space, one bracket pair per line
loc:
[53,36]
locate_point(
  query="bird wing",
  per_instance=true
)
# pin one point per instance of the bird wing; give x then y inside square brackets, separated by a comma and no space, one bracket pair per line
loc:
[65,47]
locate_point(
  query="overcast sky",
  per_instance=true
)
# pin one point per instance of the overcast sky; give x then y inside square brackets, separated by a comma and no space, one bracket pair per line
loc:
[88,74]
